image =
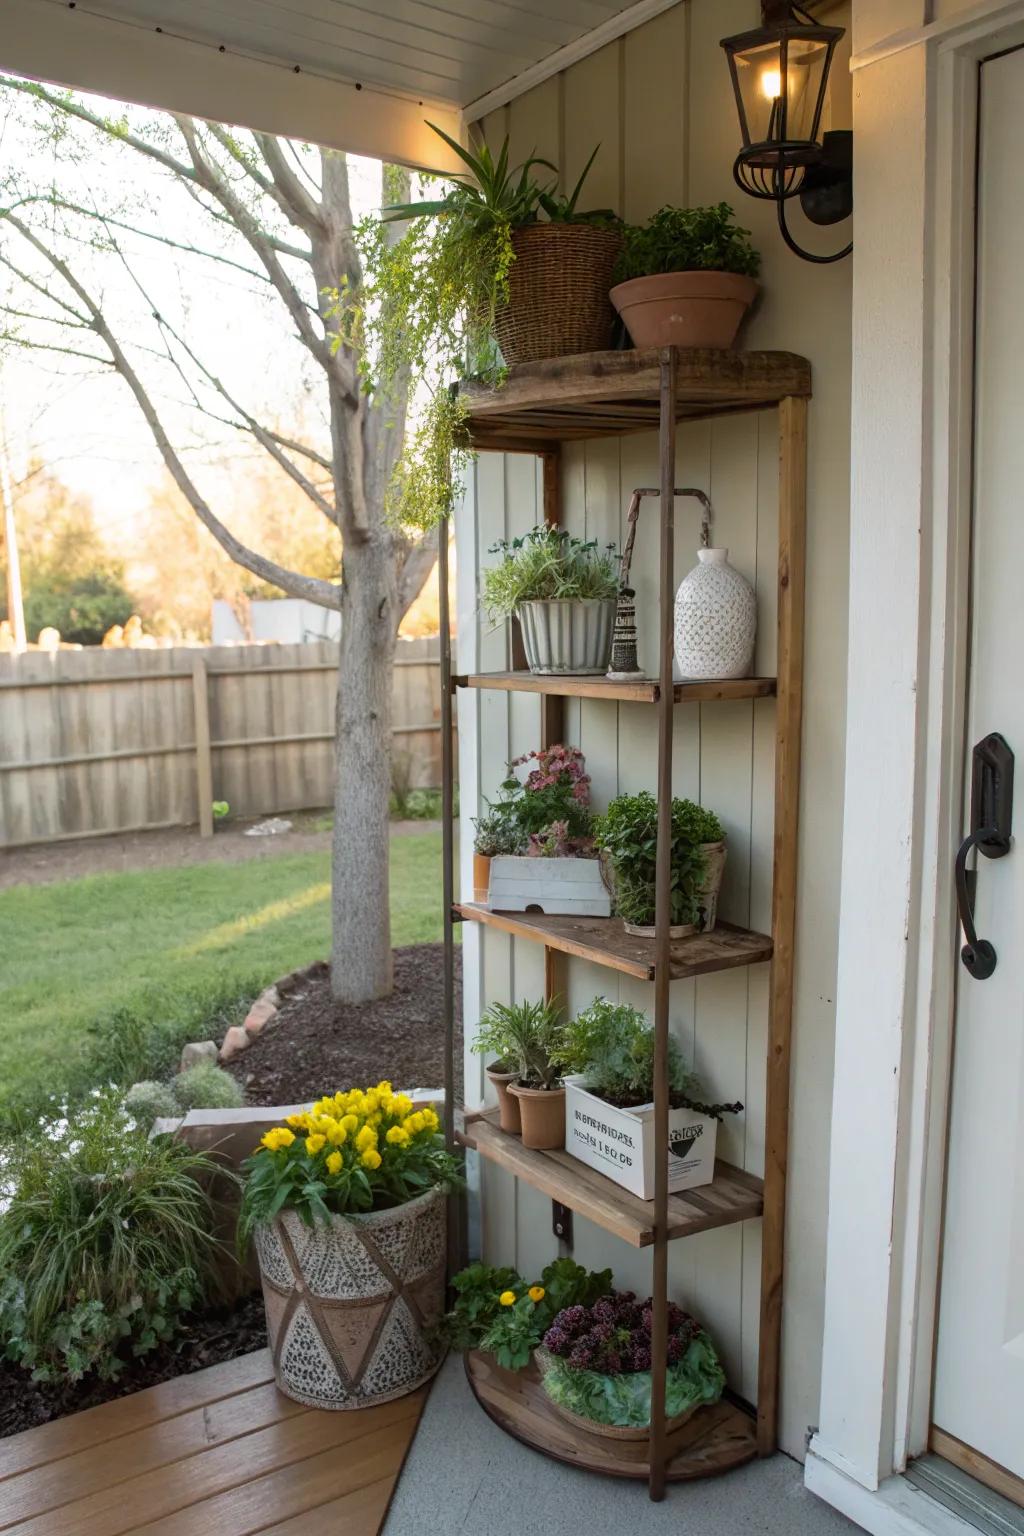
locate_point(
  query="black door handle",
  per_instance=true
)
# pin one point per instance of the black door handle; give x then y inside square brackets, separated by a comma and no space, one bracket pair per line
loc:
[991,820]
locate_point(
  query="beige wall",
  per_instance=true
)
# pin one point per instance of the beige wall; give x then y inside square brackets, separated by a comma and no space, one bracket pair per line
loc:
[659,102]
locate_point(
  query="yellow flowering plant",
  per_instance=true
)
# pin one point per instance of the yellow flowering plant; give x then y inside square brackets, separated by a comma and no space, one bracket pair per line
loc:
[362,1150]
[497,1310]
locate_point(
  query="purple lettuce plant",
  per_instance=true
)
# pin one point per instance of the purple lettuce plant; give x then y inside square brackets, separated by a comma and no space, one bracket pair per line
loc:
[613,1337]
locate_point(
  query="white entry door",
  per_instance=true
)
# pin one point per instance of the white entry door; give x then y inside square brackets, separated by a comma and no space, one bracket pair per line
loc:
[979,1375]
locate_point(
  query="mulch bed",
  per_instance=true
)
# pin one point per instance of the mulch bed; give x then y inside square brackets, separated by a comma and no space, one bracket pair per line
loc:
[316,1045]
[217,1335]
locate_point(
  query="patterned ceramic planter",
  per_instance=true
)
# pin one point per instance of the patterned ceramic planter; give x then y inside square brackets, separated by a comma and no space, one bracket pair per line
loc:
[715,619]
[349,1305]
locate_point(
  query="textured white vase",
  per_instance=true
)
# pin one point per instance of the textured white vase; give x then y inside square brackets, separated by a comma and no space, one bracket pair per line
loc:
[715,619]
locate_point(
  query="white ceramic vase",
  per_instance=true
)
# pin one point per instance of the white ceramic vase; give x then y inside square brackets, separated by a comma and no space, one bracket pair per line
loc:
[715,619]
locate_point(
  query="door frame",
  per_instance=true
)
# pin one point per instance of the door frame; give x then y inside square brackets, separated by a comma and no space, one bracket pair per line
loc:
[915,132]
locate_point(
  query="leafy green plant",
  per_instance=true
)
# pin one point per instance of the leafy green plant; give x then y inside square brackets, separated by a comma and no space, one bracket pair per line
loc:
[612,1046]
[206,1086]
[526,1037]
[149,1100]
[563,208]
[687,240]
[362,1150]
[548,811]
[221,809]
[545,565]
[628,835]
[105,1241]
[496,832]
[496,1309]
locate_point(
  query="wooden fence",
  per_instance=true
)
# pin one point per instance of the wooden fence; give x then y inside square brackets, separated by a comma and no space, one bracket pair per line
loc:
[96,741]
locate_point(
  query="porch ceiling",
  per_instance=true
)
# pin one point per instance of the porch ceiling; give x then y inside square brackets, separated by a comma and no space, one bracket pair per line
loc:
[451,51]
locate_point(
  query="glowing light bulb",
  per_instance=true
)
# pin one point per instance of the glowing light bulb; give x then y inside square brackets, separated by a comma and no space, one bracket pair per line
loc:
[771,83]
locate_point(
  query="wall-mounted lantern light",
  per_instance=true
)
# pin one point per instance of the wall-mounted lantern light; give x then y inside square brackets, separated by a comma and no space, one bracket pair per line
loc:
[780,76]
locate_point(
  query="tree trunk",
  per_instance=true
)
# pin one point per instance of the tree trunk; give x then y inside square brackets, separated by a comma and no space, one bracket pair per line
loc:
[361,967]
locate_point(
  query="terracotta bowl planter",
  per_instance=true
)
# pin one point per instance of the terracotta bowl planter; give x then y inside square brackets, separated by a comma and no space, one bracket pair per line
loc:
[350,1306]
[508,1107]
[684,309]
[542,1111]
[481,878]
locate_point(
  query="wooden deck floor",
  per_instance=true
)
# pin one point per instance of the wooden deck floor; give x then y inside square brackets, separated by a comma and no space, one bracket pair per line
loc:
[220,1451]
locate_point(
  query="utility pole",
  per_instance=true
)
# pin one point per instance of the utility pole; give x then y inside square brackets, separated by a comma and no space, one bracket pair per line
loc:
[15,603]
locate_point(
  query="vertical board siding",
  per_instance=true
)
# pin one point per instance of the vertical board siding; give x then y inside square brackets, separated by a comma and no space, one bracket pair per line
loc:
[62,706]
[659,103]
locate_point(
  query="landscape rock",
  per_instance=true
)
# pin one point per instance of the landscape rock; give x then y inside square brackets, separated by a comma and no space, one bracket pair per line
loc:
[195,1052]
[165,1125]
[272,827]
[258,1017]
[235,1042]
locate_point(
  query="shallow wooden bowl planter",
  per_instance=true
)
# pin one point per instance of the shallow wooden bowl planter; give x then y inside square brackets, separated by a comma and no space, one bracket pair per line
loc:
[349,1305]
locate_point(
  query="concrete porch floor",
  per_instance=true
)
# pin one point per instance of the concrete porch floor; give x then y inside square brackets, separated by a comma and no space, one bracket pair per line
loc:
[487,1484]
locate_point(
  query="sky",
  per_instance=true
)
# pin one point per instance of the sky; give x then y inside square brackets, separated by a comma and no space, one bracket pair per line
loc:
[84,422]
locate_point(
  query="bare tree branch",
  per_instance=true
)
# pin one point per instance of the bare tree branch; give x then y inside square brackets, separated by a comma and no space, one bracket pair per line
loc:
[44,346]
[302,209]
[325,593]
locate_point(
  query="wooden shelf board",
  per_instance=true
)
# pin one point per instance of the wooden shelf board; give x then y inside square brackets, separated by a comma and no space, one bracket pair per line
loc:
[643,690]
[714,1441]
[732,1195]
[611,393]
[605,941]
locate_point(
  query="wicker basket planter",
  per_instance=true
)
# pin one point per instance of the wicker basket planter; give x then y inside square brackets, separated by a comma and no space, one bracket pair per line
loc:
[349,1304]
[558,292]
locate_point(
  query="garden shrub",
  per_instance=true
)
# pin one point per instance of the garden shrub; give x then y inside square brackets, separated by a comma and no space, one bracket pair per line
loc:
[105,1241]
[148,1101]
[206,1086]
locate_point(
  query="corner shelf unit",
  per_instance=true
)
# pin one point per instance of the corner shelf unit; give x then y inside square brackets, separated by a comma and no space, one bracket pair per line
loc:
[540,406]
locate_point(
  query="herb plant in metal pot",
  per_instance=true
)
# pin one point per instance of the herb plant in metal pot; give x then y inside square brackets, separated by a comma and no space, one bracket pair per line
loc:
[627,835]
[346,1203]
[563,591]
[686,278]
[609,1106]
[596,1362]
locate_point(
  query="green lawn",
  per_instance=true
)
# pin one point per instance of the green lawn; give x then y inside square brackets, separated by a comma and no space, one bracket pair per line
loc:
[110,974]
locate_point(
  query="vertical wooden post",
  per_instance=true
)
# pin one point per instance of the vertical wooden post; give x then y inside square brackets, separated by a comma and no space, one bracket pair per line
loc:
[552,706]
[204,757]
[789,707]
[457,1223]
[662,923]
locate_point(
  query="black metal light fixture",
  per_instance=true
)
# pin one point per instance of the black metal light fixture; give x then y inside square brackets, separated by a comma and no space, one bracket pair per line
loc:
[780,76]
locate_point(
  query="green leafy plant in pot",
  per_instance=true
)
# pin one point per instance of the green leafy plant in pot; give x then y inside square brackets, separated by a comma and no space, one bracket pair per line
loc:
[563,591]
[627,835]
[686,278]
[496,1310]
[527,1039]
[496,832]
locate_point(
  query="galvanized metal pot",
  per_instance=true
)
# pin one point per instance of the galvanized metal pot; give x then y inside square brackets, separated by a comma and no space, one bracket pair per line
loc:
[350,1306]
[568,635]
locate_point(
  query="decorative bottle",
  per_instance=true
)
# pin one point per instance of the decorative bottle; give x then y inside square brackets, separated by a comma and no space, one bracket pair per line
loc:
[715,620]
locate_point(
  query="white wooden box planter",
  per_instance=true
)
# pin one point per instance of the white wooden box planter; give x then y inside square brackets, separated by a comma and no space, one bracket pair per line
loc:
[570,887]
[620,1142]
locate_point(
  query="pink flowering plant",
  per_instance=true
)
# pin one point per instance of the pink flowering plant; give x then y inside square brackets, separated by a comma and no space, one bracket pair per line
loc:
[550,805]
[598,1361]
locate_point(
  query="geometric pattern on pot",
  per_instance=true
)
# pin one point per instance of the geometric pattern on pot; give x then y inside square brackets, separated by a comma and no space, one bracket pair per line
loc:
[347,1318]
[715,619]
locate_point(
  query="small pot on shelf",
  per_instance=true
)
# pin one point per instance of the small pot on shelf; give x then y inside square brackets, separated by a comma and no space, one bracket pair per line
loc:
[684,309]
[481,878]
[568,636]
[508,1107]
[542,1111]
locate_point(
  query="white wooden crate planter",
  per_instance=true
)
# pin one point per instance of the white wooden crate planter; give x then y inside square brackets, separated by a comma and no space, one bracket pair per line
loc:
[620,1142]
[572,887]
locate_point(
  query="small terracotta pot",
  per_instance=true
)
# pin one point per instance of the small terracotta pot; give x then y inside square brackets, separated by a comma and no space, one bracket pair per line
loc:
[481,878]
[684,309]
[508,1107]
[543,1116]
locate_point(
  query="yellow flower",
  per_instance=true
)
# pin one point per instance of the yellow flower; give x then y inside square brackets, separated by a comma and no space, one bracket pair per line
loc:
[398,1136]
[277,1138]
[370,1158]
[507,1299]
[383,1086]
[430,1120]
[334,1163]
[299,1122]
[367,1138]
[536,1293]
[337,1134]
[314,1143]
[349,1123]
[371,1103]
[403,1104]
[414,1124]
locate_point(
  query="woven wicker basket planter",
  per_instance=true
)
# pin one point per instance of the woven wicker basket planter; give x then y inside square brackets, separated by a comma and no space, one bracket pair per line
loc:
[558,292]
[349,1305]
